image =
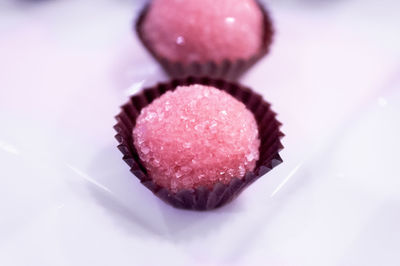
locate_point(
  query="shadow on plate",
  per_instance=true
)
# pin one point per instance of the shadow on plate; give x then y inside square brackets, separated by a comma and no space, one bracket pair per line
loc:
[132,205]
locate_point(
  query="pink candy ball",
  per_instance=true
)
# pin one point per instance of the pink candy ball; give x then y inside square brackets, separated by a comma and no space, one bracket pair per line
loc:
[204,30]
[196,136]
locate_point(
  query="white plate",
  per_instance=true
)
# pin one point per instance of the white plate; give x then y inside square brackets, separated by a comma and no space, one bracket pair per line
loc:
[67,198]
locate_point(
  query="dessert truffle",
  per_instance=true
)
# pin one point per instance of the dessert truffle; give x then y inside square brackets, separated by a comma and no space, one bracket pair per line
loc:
[145,123]
[196,136]
[207,30]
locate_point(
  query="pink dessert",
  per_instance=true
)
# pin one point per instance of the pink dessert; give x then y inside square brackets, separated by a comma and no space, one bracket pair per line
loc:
[204,30]
[196,136]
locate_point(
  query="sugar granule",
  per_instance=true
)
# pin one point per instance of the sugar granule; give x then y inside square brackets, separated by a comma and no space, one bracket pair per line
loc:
[196,136]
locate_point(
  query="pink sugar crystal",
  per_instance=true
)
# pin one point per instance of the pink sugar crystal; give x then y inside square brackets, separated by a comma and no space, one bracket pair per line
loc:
[196,136]
[203,30]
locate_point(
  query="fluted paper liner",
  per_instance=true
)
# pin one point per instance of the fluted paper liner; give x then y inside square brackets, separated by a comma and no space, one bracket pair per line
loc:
[227,69]
[202,198]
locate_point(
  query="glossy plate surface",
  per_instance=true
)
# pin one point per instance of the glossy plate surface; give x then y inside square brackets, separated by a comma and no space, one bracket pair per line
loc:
[67,198]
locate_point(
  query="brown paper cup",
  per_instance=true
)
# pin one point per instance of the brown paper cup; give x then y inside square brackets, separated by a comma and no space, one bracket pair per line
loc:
[202,198]
[227,69]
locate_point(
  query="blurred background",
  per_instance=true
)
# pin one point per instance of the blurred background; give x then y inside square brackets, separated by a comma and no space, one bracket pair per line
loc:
[67,198]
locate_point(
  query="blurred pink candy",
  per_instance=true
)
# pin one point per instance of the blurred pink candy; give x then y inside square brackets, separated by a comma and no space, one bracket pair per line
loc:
[207,30]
